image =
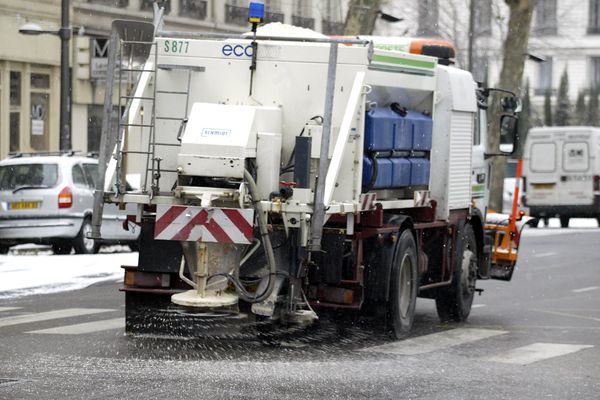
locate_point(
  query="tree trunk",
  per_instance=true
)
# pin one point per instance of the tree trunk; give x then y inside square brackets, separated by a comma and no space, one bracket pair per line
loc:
[361,17]
[511,77]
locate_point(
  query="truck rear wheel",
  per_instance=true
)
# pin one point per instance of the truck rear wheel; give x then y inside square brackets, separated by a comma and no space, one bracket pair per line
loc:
[403,285]
[564,221]
[454,302]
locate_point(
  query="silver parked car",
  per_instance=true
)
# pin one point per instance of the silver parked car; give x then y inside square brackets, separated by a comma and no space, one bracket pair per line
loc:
[48,199]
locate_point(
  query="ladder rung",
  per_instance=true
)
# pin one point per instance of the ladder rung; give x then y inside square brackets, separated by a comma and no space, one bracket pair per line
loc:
[138,125]
[138,97]
[136,70]
[195,68]
[167,144]
[170,92]
[171,118]
[135,152]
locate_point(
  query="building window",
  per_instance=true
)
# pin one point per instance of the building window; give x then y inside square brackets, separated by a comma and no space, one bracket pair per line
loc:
[15,114]
[594,23]
[15,88]
[483,18]
[302,15]
[428,18]
[15,127]
[333,20]
[236,12]
[148,5]
[544,78]
[595,73]
[40,111]
[545,18]
[273,11]
[193,8]
[111,3]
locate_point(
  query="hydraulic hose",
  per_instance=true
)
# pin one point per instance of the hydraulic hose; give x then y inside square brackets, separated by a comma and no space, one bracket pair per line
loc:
[375,172]
[266,241]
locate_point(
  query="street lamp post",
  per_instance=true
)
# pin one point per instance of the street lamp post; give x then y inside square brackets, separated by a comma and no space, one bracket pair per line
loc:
[65,78]
[64,32]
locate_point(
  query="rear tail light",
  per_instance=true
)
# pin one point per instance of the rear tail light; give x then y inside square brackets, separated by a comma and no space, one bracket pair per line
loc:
[524,188]
[596,183]
[65,198]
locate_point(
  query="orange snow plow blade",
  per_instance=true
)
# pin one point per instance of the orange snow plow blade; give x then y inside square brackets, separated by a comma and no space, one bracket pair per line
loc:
[504,233]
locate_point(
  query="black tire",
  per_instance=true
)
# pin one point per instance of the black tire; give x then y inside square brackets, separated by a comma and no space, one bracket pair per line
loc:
[546,222]
[454,302]
[564,221]
[134,246]
[83,244]
[61,248]
[4,248]
[403,286]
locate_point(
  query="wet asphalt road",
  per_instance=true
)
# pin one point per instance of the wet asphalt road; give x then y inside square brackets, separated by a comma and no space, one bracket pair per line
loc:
[535,337]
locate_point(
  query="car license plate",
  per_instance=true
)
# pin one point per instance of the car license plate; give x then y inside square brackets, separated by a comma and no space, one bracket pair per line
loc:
[542,186]
[23,205]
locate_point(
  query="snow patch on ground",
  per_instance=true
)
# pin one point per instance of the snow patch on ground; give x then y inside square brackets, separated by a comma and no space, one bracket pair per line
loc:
[25,275]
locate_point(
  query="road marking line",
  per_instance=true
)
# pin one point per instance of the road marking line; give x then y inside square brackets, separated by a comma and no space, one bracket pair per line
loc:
[536,352]
[545,254]
[45,316]
[9,308]
[435,341]
[568,315]
[477,305]
[86,327]
[586,289]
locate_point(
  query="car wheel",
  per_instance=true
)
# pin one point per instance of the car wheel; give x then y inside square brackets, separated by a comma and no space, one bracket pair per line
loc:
[62,248]
[82,243]
[4,248]
[454,302]
[403,287]
[564,221]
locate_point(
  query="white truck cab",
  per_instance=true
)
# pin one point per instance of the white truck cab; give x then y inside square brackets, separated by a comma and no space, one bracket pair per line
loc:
[562,173]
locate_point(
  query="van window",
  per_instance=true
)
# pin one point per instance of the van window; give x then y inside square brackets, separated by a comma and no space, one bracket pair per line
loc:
[542,157]
[575,156]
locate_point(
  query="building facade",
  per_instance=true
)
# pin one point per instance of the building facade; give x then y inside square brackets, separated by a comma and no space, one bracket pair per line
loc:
[30,65]
[565,33]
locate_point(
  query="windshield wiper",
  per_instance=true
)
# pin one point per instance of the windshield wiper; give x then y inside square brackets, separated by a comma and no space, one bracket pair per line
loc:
[30,187]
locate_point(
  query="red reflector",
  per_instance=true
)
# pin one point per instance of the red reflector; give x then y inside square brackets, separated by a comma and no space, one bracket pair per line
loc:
[65,198]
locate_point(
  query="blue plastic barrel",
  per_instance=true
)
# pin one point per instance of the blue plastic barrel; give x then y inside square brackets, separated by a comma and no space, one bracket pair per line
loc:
[419,171]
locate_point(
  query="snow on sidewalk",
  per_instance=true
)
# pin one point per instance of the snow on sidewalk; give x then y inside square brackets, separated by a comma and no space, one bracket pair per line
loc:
[23,275]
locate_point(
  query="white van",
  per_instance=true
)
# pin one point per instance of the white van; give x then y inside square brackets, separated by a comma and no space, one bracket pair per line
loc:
[562,173]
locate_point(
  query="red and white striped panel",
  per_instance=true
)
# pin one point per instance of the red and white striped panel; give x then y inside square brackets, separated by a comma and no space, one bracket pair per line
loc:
[367,201]
[198,224]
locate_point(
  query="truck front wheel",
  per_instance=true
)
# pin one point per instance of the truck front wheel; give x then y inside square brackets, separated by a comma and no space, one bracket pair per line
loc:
[454,302]
[403,285]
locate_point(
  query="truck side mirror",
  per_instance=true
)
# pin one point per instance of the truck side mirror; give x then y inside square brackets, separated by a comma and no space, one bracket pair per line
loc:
[509,125]
[511,104]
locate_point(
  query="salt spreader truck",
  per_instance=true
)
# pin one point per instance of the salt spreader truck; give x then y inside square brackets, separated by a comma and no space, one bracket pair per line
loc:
[282,176]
